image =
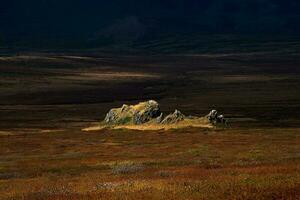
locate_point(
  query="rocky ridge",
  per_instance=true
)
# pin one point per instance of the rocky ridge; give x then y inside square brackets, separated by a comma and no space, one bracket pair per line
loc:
[148,116]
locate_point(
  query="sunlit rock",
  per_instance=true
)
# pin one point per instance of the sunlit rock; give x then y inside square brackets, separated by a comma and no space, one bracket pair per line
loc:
[173,118]
[133,114]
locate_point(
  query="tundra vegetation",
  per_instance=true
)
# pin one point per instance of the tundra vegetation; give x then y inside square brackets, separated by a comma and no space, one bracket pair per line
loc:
[46,100]
[235,163]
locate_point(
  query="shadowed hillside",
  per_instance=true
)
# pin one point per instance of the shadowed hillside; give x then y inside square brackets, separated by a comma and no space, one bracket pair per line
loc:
[95,24]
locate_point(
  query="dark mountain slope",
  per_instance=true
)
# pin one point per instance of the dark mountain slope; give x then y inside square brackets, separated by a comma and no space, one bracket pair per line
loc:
[86,24]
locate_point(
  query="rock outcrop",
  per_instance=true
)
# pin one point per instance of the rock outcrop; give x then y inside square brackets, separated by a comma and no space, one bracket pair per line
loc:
[141,113]
[173,118]
[147,116]
[133,114]
[215,118]
[149,112]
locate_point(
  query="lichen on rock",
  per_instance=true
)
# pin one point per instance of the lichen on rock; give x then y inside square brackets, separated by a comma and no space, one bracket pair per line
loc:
[133,114]
[147,116]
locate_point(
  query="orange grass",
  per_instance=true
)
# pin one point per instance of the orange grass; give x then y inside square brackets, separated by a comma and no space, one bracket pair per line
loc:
[237,163]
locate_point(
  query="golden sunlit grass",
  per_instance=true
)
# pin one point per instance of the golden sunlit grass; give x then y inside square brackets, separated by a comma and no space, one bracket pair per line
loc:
[6,133]
[108,76]
[186,123]
[175,164]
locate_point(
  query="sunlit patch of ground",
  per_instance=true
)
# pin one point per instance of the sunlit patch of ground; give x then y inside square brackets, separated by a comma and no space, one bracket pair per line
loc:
[51,130]
[25,57]
[116,76]
[196,123]
[79,57]
[6,133]
[217,79]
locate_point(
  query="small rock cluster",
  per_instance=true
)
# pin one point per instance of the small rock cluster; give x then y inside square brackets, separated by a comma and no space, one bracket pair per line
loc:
[215,118]
[149,112]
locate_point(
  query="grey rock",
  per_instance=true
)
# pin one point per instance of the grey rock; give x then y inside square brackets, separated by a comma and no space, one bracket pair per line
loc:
[215,118]
[160,118]
[212,115]
[133,114]
[124,108]
[173,118]
[110,117]
[150,111]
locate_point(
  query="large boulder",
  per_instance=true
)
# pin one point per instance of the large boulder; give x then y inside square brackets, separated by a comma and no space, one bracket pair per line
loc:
[133,114]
